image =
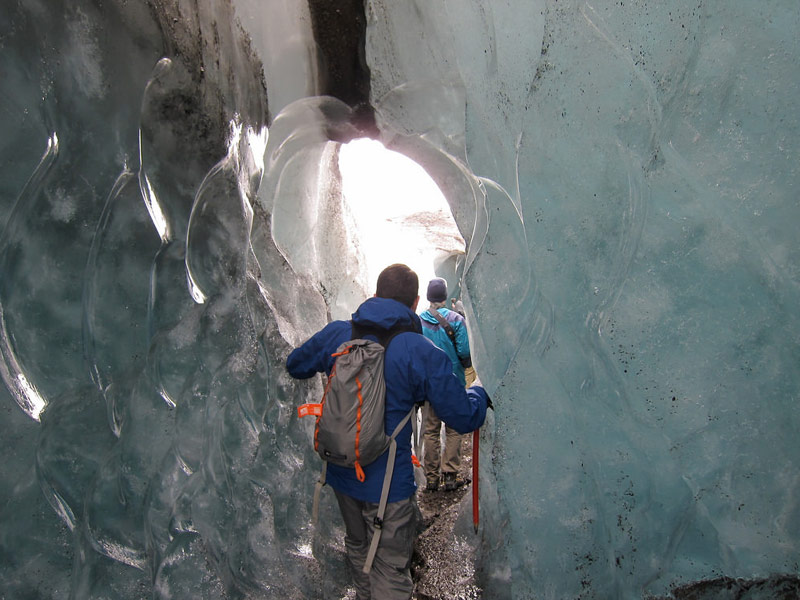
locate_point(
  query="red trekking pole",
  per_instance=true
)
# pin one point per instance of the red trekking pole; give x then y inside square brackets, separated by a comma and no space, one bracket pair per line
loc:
[476,436]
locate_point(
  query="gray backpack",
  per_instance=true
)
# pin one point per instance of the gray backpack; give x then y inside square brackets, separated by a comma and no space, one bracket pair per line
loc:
[351,417]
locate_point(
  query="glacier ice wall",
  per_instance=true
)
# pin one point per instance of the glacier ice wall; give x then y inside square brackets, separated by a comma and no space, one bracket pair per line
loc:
[625,176]
[644,336]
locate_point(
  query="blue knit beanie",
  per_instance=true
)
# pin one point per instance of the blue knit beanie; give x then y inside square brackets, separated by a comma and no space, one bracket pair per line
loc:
[437,290]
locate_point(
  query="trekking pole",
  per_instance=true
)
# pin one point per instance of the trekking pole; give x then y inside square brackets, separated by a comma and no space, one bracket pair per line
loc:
[475,452]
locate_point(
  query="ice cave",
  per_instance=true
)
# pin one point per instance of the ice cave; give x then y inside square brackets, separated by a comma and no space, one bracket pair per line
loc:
[626,177]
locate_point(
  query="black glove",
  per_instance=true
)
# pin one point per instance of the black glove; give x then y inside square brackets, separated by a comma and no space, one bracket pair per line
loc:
[489,402]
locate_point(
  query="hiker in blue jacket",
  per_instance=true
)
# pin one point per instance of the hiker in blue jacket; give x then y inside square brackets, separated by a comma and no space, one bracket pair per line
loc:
[435,320]
[415,371]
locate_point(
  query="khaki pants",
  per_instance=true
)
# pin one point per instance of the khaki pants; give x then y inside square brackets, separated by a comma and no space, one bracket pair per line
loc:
[433,452]
[390,576]
[432,428]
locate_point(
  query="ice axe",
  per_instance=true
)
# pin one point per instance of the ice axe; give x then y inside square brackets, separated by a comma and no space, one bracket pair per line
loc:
[476,436]
[476,451]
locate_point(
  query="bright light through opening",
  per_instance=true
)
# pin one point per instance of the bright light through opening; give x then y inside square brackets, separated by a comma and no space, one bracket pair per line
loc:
[401,214]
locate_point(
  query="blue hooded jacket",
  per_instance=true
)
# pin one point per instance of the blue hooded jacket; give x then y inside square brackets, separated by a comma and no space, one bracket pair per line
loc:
[415,370]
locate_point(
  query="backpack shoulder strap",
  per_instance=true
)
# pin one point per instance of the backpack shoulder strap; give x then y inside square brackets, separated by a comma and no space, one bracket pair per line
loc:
[384,336]
[387,480]
[446,326]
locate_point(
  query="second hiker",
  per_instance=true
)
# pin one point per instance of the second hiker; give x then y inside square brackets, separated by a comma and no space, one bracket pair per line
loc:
[448,330]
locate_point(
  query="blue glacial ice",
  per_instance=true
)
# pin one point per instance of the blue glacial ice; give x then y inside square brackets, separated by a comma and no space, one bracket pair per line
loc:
[625,176]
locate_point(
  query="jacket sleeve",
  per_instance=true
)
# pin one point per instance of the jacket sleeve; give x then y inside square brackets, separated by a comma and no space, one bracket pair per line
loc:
[314,355]
[462,409]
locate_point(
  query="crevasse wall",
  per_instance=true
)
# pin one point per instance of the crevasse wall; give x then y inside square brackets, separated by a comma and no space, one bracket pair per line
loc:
[642,341]
[625,175]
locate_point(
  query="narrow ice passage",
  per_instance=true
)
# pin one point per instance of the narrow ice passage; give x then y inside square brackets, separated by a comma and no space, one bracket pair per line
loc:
[624,178]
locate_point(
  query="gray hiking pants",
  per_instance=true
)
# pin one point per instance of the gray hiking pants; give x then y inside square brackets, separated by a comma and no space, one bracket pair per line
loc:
[390,577]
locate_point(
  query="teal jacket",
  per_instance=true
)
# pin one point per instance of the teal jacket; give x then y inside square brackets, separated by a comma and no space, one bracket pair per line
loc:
[432,330]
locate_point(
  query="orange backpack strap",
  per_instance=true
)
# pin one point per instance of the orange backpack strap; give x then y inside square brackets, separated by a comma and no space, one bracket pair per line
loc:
[359,471]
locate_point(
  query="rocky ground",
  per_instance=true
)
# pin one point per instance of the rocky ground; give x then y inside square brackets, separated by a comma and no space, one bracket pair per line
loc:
[443,566]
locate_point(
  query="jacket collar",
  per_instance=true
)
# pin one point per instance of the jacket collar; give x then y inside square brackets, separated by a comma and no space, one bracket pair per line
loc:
[386,313]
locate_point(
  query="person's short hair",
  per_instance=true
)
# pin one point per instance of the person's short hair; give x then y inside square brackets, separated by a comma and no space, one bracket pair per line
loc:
[398,282]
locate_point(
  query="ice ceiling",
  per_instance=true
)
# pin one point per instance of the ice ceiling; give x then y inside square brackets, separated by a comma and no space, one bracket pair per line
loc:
[625,176]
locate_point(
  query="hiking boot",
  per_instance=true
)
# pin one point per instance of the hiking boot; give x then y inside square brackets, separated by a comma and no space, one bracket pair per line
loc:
[432,484]
[450,482]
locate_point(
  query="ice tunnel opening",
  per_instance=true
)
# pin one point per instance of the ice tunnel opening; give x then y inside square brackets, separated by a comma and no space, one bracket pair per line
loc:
[400,213]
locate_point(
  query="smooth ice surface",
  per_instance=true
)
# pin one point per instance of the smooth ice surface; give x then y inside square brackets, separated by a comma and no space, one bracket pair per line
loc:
[625,176]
